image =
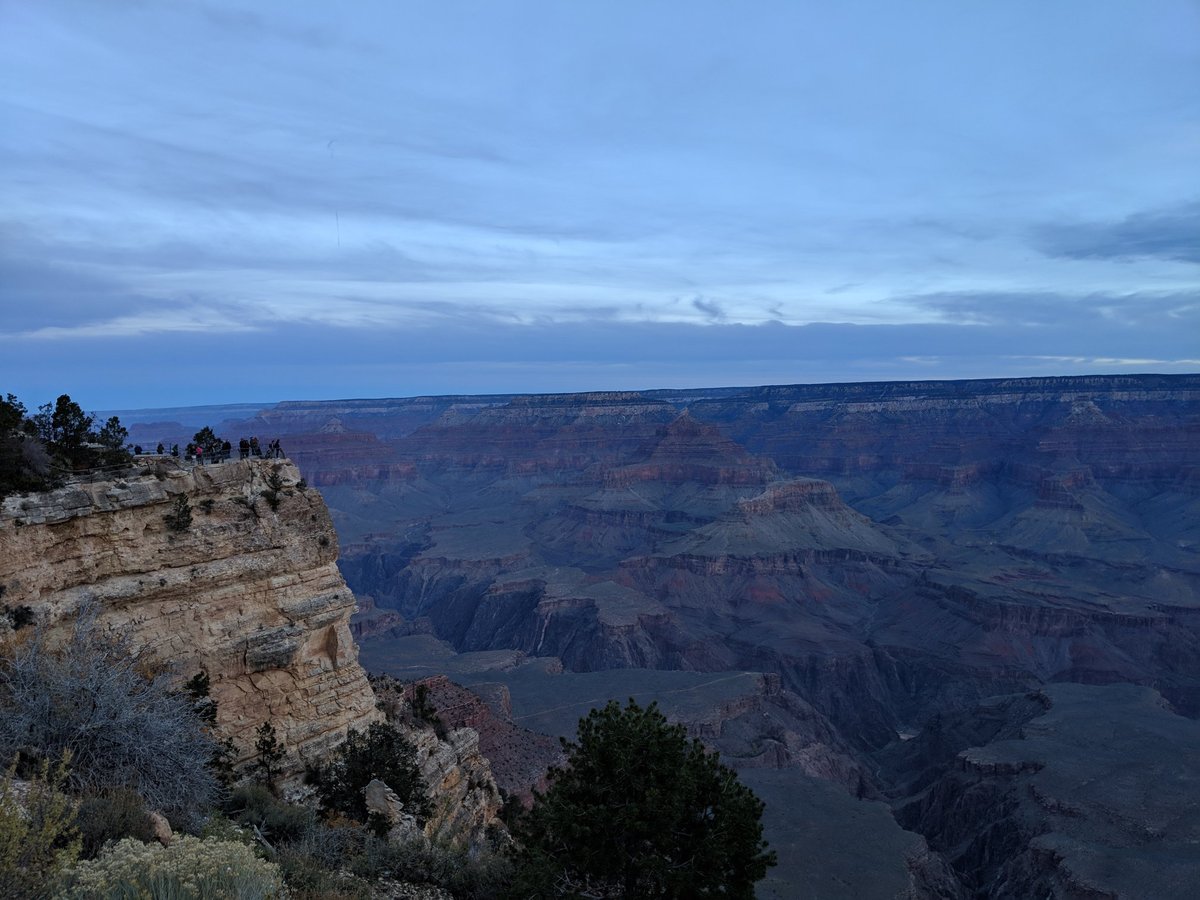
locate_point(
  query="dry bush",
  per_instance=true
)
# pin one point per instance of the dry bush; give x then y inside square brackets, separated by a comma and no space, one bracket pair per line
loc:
[93,696]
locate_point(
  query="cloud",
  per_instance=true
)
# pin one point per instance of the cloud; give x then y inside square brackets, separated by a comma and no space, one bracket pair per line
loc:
[710,308]
[1140,309]
[1170,234]
[35,295]
[489,202]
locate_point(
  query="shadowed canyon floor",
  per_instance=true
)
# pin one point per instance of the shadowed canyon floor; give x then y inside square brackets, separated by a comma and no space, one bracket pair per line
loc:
[880,559]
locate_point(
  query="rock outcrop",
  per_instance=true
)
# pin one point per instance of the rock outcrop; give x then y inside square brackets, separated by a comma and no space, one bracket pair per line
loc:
[518,758]
[465,797]
[248,592]
[449,754]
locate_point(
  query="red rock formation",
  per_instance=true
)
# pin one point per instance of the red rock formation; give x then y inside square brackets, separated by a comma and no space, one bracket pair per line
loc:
[519,758]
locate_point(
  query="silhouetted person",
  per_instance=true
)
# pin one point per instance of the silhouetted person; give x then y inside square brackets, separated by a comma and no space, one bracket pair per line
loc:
[160,448]
[244,448]
[255,450]
[226,450]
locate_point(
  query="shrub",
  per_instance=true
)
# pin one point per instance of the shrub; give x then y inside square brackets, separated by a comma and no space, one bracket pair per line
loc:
[90,696]
[190,868]
[424,710]
[197,688]
[179,519]
[37,833]
[24,462]
[109,817]
[379,752]
[310,876]
[19,616]
[471,877]
[275,819]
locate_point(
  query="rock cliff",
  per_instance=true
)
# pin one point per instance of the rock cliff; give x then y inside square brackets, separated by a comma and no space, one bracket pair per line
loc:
[248,592]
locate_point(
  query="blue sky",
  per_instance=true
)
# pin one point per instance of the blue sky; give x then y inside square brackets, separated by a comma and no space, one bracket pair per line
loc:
[216,202]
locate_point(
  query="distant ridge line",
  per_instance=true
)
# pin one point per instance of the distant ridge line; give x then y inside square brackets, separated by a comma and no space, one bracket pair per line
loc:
[961,386]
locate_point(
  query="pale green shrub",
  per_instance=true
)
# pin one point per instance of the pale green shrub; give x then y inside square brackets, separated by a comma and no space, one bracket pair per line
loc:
[37,833]
[190,869]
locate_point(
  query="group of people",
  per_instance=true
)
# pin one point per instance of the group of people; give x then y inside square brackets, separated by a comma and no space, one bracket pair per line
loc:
[250,447]
[247,447]
[221,454]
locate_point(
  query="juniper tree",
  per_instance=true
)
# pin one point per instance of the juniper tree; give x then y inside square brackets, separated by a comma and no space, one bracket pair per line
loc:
[639,811]
[70,427]
[208,440]
[24,463]
[382,752]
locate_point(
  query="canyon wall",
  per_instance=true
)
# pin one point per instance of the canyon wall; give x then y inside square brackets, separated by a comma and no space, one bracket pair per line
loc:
[249,592]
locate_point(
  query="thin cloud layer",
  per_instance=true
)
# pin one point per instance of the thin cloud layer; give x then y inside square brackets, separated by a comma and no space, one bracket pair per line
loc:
[1171,234]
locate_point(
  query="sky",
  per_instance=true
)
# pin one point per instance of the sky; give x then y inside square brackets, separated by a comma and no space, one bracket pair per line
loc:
[216,202]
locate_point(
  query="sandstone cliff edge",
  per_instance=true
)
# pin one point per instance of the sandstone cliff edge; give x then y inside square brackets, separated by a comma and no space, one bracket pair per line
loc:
[248,592]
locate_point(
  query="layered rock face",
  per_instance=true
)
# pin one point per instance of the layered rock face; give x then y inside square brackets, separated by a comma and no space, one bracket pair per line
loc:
[961,538]
[248,593]
[1079,791]
[518,758]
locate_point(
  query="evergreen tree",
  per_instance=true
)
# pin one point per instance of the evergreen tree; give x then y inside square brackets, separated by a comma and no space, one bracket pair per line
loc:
[24,464]
[12,414]
[270,753]
[379,752]
[70,426]
[207,439]
[113,434]
[639,811]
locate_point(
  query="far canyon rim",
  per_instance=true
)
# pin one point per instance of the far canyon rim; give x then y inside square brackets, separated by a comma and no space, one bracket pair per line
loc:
[876,585]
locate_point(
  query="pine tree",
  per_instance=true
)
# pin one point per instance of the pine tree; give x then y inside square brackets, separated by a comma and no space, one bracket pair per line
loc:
[270,753]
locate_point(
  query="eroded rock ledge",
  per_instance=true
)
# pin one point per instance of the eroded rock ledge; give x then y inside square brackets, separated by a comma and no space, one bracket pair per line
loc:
[248,593]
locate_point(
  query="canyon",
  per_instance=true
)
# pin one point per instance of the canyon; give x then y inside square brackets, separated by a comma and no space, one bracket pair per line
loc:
[852,575]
